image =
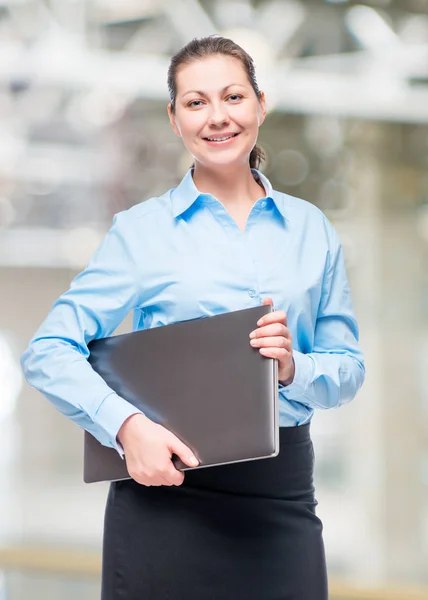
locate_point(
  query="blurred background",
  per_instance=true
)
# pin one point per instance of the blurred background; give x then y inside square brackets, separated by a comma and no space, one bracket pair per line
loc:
[84,134]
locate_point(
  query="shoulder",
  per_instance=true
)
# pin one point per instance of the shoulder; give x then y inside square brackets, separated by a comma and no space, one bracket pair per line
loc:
[145,215]
[303,214]
[311,228]
[154,207]
[295,207]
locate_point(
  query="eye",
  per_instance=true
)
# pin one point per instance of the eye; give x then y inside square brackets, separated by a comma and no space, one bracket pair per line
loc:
[194,103]
[235,97]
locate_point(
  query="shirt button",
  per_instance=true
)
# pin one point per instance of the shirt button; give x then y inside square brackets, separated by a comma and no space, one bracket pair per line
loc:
[252,293]
[263,204]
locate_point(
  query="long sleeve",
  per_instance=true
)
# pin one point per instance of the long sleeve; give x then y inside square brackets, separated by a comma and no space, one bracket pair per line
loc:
[55,362]
[333,372]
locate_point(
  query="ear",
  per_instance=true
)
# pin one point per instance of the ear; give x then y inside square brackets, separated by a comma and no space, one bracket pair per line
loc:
[262,113]
[172,120]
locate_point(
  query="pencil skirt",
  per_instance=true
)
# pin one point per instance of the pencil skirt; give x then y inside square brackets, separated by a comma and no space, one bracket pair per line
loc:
[246,531]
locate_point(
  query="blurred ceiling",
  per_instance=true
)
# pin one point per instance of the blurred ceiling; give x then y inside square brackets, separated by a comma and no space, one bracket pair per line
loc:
[79,78]
[364,60]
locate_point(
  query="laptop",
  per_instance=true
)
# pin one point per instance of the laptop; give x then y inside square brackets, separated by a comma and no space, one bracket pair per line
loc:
[202,380]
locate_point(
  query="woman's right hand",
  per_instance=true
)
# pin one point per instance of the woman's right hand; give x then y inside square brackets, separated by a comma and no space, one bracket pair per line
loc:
[148,450]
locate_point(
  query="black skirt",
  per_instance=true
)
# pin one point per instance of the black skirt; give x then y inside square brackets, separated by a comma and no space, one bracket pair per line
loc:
[237,532]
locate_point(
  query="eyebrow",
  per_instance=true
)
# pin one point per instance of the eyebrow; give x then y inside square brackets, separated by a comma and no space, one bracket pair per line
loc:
[200,93]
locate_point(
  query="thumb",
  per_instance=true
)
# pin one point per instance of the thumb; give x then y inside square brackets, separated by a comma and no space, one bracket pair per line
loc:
[267,301]
[177,447]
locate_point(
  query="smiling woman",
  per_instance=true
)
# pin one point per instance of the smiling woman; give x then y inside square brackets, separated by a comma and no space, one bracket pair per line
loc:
[222,240]
[239,104]
[219,123]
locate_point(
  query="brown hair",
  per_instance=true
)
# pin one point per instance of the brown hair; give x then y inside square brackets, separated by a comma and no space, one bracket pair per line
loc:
[200,48]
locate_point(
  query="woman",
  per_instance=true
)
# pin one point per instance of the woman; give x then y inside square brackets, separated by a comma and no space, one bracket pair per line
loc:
[222,240]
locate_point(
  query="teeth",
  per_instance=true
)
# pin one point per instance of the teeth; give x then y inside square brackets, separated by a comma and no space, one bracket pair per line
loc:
[222,139]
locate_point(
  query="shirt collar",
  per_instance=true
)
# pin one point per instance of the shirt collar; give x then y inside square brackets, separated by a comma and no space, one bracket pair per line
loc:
[186,194]
[277,197]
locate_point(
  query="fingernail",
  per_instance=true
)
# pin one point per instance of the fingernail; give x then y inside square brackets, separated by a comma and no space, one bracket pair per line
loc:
[260,322]
[193,461]
[252,334]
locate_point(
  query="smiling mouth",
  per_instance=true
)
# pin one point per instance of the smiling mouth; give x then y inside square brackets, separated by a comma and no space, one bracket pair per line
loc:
[221,139]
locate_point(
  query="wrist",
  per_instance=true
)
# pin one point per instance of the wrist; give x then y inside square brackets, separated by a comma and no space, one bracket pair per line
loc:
[289,380]
[125,426]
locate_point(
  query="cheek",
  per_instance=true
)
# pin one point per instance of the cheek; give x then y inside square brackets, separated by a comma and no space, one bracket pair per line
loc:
[246,118]
[191,124]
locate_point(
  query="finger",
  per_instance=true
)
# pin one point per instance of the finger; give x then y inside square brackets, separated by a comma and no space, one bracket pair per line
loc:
[152,476]
[146,480]
[174,477]
[143,478]
[271,342]
[168,471]
[278,316]
[170,475]
[160,481]
[162,477]
[274,329]
[267,302]
[177,447]
[279,353]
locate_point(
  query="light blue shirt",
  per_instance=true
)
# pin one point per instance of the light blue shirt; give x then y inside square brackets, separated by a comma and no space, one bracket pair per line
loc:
[181,256]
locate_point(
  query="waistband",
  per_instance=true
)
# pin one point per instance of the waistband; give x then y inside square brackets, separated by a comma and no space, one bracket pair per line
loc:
[286,476]
[291,435]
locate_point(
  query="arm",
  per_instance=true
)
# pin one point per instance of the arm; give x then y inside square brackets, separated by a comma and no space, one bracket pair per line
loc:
[55,362]
[333,373]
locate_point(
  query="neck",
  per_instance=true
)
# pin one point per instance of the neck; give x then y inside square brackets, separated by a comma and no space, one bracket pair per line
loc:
[233,186]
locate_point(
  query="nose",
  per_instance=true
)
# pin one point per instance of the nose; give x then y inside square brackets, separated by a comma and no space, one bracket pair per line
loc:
[218,115]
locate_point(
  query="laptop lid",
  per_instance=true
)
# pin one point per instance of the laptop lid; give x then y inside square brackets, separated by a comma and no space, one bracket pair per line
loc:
[202,380]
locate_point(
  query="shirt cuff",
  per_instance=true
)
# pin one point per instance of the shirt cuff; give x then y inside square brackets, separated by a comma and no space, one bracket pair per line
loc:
[110,416]
[303,376]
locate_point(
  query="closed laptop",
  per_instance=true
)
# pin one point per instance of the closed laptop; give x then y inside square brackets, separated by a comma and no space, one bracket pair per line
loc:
[202,380]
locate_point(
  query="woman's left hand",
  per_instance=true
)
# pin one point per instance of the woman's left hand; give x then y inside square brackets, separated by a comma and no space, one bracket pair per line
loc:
[273,338]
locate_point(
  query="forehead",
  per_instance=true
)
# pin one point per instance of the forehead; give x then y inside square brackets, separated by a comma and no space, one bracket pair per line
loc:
[211,74]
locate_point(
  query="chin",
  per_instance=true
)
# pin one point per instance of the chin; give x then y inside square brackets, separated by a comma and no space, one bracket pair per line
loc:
[216,157]
[224,160]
